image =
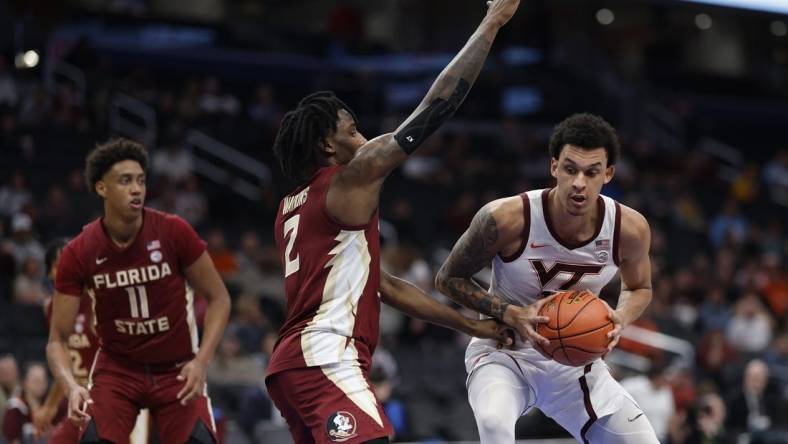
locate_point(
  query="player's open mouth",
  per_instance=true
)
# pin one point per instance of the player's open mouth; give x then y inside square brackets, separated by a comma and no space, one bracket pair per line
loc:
[578,199]
[136,204]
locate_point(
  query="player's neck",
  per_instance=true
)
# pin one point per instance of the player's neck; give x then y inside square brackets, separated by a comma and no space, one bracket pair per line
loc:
[121,231]
[569,227]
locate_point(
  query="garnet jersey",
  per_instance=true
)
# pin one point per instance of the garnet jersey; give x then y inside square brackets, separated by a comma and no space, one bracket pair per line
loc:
[332,276]
[82,342]
[142,306]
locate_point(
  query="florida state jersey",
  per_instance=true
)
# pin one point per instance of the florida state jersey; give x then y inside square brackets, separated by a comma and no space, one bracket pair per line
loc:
[332,275]
[82,342]
[142,306]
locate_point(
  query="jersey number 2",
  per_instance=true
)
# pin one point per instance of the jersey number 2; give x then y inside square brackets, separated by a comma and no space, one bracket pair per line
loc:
[291,266]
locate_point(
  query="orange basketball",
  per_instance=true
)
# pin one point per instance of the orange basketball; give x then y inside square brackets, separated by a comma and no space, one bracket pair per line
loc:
[577,329]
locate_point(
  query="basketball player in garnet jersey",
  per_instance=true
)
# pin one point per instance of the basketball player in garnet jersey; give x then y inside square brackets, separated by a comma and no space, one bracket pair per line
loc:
[82,347]
[327,234]
[566,237]
[133,265]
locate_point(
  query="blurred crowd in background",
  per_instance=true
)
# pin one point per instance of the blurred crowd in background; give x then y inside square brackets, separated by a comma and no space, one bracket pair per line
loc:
[716,207]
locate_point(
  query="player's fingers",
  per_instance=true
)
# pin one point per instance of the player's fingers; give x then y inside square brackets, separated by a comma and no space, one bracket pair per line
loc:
[185,389]
[193,393]
[183,374]
[536,337]
[540,319]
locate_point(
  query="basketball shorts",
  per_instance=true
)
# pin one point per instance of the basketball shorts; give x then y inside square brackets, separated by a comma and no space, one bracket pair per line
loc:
[328,404]
[575,397]
[119,390]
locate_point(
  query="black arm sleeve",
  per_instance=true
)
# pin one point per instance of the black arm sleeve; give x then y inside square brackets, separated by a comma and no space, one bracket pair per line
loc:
[431,118]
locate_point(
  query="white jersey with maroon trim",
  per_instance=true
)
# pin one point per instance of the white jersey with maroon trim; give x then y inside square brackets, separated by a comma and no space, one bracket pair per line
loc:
[574,396]
[546,264]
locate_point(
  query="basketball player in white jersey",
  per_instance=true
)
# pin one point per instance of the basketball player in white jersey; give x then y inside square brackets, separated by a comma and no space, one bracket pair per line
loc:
[566,237]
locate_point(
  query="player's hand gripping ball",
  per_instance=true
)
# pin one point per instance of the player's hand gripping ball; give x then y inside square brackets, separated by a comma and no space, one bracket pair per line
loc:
[577,329]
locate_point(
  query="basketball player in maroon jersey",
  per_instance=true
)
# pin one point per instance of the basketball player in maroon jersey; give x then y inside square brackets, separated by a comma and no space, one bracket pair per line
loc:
[327,234]
[133,265]
[82,347]
[566,237]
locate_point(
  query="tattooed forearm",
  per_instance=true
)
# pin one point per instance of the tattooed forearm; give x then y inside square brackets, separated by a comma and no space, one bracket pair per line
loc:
[473,251]
[466,65]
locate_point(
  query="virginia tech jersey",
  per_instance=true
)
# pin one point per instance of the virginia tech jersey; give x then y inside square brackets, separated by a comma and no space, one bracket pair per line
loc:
[545,264]
[332,276]
[142,307]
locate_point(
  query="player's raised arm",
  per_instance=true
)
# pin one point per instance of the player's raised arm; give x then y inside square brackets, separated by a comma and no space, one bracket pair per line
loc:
[379,156]
[64,314]
[407,298]
[635,267]
[494,228]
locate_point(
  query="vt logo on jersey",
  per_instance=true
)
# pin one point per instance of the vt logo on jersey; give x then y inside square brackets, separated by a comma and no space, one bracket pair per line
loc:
[576,271]
[341,426]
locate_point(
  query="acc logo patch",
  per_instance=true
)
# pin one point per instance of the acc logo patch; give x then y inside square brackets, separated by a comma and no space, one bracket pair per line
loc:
[341,426]
[155,256]
[601,256]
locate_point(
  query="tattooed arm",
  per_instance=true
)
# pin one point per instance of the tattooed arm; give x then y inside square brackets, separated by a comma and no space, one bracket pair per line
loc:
[409,299]
[496,229]
[354,193]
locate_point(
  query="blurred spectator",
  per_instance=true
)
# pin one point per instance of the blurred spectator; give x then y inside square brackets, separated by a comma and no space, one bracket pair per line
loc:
[775,174]
[223,257]
[249,257]
[750,328]
[17,421]
[249,323]
[775,287]
[23,244]
[214,101]
[755,406]
[230,372]
[715,354]
[14,195]
[255,404]
[29,285]
[190,203]
[653,394]
[714,313]
[57,215]
[264,109]
[9,382]
[728,227]
[173,162]
[744,188]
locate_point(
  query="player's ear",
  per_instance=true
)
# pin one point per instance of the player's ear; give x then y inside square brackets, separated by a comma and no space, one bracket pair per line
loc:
[609,171]
[101,188]
[554,167]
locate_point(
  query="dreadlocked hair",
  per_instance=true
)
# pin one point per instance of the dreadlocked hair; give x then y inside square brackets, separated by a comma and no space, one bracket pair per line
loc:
[297,144]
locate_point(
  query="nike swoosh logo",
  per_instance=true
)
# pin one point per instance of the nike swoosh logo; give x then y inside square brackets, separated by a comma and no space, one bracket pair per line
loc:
[101,260]
[636,417]
[533,245]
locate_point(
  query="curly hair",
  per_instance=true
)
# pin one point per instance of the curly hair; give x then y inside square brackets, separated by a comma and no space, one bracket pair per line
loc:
[587,131]
[297,144]
[105,155]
